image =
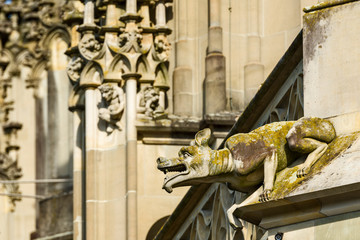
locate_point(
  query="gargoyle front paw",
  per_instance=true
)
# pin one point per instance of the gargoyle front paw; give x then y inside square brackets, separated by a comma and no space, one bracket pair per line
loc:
[265,196]
[302,172]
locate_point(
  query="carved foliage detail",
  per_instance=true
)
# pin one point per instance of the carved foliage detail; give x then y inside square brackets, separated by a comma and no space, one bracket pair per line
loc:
[113,98]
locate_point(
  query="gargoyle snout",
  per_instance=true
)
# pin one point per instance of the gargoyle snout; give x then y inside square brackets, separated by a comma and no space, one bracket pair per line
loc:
[160,160]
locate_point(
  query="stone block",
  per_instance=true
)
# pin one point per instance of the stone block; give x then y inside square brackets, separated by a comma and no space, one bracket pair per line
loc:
[215,39]
[147,216]
[106,219]
[182,80]
[215,93]
[331,56]
[105,172]
[57,212]
[238,103]
[272,49]
[288,15]
[184,104]
[254,76]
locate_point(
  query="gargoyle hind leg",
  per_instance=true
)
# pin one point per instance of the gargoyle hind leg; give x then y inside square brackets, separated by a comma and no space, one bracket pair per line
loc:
[234,220]
[320,148]
[270,166]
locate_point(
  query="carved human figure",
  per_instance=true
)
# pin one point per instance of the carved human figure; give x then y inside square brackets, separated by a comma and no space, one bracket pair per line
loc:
[114,101]
[249,160]
[74,68]
[91,44]
[149,102]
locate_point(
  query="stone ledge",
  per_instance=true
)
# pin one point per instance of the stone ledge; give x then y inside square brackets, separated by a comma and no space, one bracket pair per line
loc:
[303,207]
[326,4]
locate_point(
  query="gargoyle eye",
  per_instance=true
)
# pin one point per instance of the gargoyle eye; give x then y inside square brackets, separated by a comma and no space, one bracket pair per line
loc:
[187,154]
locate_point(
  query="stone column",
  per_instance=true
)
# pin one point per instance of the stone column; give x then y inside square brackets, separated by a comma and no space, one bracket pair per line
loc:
[131,6]
[79,176]
[131,154]
[160,14]
[91,157]
[183,74]
[89,12]
[215,92]
[254,70]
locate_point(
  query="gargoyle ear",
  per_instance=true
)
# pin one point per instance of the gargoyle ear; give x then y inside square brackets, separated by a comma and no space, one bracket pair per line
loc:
[202,137]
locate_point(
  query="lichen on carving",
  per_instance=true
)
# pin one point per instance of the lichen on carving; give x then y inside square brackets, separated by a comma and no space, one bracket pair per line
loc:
[250,160]
[113,99]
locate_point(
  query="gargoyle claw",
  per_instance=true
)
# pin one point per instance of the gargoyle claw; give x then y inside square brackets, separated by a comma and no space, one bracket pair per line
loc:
[302,172]
[265,196]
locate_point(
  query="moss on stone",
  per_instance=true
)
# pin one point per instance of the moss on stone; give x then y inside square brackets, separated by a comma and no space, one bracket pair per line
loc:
[287,181]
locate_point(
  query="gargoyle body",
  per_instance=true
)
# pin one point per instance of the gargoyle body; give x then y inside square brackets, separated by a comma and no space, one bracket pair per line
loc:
[249,159]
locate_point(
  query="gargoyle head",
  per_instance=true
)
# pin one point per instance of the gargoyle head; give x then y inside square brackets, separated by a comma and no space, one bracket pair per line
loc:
[192,165]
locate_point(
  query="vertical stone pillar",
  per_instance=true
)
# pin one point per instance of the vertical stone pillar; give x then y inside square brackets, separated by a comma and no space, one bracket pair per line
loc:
[91,157]
[131,154]
[89,12]
[215,91]
[131,7]
[183,73]
[79,176]
[254,70]
[160,14]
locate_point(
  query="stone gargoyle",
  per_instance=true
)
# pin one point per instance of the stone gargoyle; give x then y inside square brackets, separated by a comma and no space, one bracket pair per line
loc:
[249,161]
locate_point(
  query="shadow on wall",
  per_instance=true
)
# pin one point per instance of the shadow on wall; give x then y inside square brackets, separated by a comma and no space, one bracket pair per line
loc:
[155,228]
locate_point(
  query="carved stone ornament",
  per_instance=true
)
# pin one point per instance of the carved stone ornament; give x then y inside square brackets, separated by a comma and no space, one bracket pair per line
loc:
[129,40]
[257,156]
[74,68]
[113,97]
[149,104]
[47,14]
[9,170]
[89,46]
[161,48]
[32,30]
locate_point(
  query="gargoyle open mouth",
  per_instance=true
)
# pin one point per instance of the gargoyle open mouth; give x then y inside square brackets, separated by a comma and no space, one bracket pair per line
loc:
[179,169]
